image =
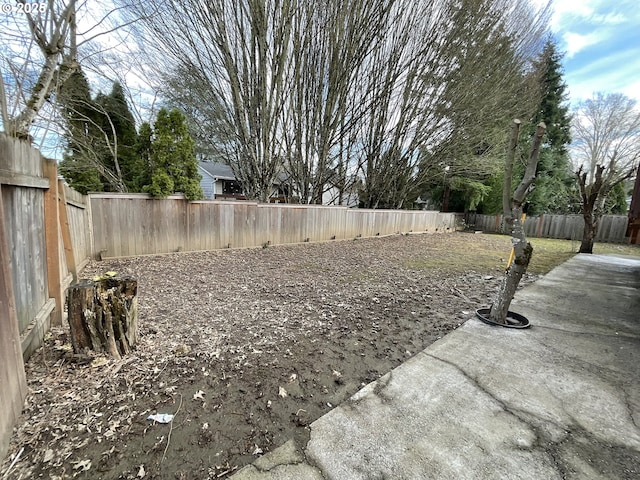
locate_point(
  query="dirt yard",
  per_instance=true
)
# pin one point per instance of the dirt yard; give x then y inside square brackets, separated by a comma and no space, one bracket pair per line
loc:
[245,348]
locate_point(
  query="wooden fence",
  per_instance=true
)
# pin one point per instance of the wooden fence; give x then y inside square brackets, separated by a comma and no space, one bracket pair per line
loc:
[611,229]
[136,224]
[38,253]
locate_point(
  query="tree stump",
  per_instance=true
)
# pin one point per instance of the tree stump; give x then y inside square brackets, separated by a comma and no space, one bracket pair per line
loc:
[103,315]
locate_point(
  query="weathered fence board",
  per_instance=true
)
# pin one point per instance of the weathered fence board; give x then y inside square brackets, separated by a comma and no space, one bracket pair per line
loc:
[79,215]
[13,386]
[23,288]
[611,229]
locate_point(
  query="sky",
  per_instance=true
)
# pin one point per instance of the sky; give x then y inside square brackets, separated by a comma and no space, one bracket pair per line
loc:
[601,44]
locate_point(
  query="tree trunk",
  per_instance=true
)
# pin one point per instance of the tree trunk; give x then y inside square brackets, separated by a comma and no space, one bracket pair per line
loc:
[523,251]
[103,315]
[590,195]
[589,233]
[445,199]
[513,217]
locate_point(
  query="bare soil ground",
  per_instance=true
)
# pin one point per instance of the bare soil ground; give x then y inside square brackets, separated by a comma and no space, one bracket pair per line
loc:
[245,348]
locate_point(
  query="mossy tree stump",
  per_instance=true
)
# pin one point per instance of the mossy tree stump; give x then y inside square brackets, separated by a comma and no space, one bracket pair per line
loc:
[103,315]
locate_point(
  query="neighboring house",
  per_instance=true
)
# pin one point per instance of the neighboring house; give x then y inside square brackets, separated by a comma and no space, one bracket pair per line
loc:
[332,197]
[347,196]
[219,182]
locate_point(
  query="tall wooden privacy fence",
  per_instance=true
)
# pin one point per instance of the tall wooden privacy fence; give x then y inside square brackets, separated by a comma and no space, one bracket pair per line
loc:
[125,225]
[43,243]
[612,228]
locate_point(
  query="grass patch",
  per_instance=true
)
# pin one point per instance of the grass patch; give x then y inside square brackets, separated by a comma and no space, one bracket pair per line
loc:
[549,253]
[490,253]
[614,249]
[462,252]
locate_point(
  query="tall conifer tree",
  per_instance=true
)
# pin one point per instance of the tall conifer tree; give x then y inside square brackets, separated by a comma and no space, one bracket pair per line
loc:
[554,183]
[77,166]
[173,164]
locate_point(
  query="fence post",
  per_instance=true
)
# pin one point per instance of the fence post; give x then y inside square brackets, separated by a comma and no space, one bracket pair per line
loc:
[69,254]
[52,239]
[539,226]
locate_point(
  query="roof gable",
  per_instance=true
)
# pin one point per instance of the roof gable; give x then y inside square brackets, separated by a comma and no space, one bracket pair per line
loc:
[217,170]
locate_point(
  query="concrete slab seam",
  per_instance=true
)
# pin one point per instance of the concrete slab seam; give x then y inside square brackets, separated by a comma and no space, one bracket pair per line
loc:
[274,468]
[309,461]
[538,443]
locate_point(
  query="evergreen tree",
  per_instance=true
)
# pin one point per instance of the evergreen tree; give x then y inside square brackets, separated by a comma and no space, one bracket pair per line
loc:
[173,164]
[117,120]
[101,138]
[554,183]
[77,166]
[554,190]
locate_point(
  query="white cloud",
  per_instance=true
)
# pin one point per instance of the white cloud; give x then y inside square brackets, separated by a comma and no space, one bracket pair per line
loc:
[568,10]
[574,42]
[613,73]
[610,18]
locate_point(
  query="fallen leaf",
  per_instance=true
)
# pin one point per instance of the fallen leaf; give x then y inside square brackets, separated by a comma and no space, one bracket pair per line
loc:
[257,450]
[182,350]
[293,377]
[141,472]
[48,456]
[99,362]
[282,392]
[66,347]
[199,395]
[83,464]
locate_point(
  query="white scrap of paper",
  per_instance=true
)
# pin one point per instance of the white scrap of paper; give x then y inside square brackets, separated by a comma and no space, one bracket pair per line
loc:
[161,417]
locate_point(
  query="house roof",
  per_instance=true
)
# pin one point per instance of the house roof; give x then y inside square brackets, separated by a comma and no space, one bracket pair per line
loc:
[217,170]
[222,171]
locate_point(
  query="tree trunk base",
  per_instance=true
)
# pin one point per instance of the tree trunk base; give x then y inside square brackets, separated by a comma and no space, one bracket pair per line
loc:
[513,320]
[103,315]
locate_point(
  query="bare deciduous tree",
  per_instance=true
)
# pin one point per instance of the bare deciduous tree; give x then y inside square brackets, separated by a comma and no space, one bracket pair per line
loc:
[337,92]
[605,152]
[51,42]
[494,44]
[330,42]
[238,54]
[40,45]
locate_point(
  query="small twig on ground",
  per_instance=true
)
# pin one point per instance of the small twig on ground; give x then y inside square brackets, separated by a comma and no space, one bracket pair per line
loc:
[222,474]
[15,460]
[162,370]
[59,368]
[170,430]
[44,358]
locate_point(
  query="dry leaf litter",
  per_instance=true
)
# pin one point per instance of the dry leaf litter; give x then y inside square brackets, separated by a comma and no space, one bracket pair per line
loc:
[244,348]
